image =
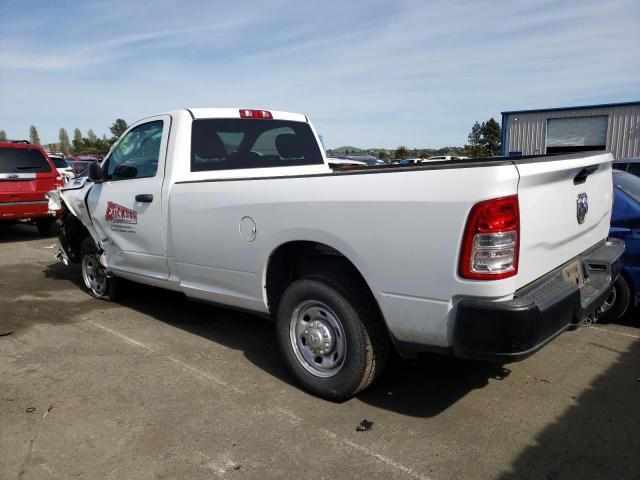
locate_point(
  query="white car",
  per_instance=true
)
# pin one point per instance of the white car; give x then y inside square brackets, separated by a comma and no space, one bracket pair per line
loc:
[64,169]
[239,207]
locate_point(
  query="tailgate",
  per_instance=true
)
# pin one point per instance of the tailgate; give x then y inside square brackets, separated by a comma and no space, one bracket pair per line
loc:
[26,175]
[24,187]
[553,193]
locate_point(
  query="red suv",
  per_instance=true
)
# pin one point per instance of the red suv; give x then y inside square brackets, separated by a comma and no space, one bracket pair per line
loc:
[26,175]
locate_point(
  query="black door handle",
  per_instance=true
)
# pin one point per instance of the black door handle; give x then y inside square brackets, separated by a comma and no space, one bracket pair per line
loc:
[582,175]
[144,197]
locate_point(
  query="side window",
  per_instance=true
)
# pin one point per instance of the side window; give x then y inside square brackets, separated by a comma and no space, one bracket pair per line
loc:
[227,144]
[137,154]
[634,169]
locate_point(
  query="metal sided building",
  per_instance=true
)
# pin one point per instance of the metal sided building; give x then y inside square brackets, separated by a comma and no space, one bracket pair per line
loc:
[614,127]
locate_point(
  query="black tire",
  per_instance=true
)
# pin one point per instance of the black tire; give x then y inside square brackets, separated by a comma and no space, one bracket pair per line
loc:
[47,227]
[364,336]
[94,276]
[617,304]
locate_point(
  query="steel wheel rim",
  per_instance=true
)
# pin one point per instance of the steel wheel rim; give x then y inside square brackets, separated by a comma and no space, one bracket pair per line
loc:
[609,301]
[94,275]
[318,339]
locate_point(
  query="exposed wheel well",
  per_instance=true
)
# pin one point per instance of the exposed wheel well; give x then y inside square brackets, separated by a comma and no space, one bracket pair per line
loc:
[71,234]
[294,260]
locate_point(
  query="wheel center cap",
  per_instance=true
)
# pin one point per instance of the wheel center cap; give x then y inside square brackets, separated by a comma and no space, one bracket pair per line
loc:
[319,337]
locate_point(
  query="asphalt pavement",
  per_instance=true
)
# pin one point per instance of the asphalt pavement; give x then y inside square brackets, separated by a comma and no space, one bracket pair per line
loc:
[159,387]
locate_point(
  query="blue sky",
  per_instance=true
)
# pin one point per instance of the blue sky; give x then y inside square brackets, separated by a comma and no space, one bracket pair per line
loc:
[368,73]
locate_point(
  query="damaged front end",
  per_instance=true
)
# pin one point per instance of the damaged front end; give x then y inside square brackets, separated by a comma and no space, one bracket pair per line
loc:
[71,229]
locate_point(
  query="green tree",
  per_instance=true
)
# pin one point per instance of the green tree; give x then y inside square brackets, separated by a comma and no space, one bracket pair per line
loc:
[91,136]
[490,137]
[77,141]
[474,148]
[118,128]
[65,145]
[3,136]
[383,155]
[34,138]
[401,152]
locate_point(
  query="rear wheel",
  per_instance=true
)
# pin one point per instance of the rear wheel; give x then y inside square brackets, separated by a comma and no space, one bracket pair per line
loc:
[94,274]
[617,303]
[47,226]
[331,336]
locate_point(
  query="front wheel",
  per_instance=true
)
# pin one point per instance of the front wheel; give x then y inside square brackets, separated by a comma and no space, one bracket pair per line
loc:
[94,274]
[331,336]
[617,303]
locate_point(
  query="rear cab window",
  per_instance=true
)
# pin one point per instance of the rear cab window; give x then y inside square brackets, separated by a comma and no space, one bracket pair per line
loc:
[23,160]
[229,144]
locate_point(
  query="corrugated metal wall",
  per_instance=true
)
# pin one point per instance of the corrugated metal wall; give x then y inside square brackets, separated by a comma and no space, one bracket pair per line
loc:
[527,132]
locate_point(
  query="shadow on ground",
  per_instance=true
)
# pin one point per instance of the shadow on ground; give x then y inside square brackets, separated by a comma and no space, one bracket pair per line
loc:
[599,435]
[19,232]
[420,388]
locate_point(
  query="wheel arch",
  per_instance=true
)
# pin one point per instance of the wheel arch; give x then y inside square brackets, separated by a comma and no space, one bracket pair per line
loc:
[294,259]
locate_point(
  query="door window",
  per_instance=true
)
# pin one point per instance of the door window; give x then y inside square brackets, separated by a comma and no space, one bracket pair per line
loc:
[137,154]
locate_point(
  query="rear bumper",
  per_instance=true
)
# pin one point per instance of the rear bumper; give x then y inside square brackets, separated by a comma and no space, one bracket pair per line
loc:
[512,330]
[24,210]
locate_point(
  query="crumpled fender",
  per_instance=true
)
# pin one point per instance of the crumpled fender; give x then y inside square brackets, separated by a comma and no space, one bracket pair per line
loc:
[73,197]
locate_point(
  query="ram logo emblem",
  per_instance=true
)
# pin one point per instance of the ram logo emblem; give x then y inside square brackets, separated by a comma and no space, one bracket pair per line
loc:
[582,204]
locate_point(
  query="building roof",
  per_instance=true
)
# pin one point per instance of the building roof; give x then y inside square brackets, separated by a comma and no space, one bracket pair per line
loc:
[577,107]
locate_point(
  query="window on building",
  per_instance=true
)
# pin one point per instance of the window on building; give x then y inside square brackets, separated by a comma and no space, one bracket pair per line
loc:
[578,134]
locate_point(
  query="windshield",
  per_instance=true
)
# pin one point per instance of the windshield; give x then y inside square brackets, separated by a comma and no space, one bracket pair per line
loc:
[629,184]
[22,160]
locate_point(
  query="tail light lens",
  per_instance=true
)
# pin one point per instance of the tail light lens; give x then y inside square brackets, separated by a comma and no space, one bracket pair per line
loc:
[491,241]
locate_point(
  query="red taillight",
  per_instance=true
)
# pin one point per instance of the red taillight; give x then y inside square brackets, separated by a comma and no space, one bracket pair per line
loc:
[491,240]
[256,114]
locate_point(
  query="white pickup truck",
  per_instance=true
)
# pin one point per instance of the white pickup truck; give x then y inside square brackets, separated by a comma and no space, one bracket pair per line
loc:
[482,259]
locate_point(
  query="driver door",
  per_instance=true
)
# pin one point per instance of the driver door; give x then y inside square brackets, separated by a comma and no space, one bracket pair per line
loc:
[126,208]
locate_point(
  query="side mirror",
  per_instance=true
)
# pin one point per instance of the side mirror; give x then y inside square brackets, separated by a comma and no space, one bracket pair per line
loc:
[95,174]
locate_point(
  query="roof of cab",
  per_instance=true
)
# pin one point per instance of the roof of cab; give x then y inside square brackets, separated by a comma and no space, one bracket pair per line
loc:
[199,113]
